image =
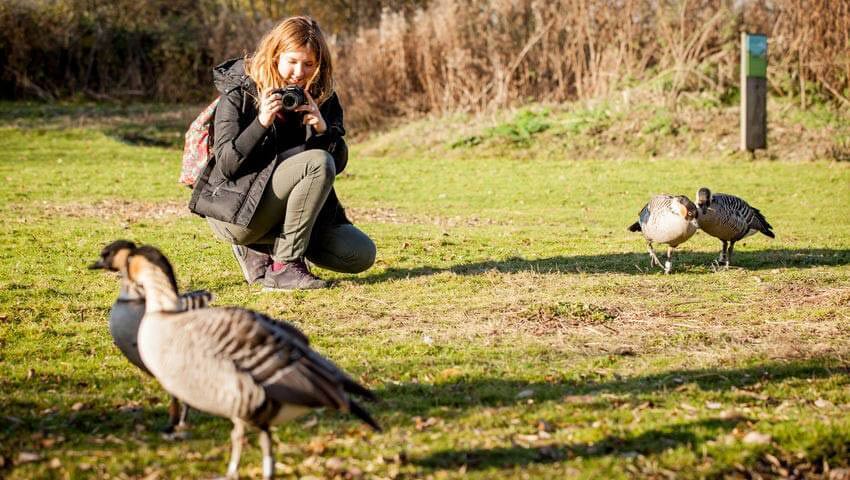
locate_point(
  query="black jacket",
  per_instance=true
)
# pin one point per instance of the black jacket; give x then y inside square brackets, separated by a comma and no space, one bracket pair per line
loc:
[246,153]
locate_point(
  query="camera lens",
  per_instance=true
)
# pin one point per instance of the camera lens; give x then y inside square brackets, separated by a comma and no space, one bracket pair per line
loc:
[289,101]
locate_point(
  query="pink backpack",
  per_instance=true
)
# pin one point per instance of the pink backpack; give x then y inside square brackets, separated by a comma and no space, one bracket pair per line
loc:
[197,151]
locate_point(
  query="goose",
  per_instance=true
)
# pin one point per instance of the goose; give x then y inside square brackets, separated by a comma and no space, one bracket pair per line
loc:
[235,363]
[127,312]
[729,219]
[669,219]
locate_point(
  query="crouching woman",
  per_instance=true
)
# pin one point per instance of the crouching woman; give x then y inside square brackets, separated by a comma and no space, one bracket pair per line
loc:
[270,190]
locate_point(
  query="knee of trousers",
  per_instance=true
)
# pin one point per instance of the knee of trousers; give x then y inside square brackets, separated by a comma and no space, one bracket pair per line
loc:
[321,163]
[363,258]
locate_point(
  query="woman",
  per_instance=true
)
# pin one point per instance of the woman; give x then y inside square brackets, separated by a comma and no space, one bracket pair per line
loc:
[270,190]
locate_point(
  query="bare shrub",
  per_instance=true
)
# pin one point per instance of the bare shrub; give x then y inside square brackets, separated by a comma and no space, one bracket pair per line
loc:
[481,54]
[409,57]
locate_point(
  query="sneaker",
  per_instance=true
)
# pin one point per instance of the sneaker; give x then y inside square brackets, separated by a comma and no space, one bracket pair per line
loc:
[253,263]
[293,276]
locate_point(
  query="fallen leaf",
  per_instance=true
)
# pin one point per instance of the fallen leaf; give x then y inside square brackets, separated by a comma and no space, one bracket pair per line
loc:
[78,406]
[821,403]
[27,457]
[773,460]
[839,474]
[335,464]
[54,463]
[713,405]
[756,438]
[421,424]
[526,438]
[316,446]
[582,399]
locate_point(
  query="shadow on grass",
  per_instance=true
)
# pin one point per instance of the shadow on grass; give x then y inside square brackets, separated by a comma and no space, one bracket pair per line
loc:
[633,263]
[691,434]
[421,399]
[141,124]
[24,422]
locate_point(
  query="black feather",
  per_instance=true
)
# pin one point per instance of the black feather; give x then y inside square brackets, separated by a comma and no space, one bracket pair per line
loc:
[763,226]
[362,414]
[352,386]
[635,227]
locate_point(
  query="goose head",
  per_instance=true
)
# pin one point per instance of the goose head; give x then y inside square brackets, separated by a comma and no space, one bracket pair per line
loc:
[113,257]
[684,207]
[703,199]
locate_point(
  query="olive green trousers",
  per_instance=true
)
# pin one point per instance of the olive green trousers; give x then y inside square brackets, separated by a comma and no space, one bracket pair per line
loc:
[286,219]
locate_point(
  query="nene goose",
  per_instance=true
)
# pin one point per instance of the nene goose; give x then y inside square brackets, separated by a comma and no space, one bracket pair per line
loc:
[666,219]
[233,362]
[127,312]
[729,218]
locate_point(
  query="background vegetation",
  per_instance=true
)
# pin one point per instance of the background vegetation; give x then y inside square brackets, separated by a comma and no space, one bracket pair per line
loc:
[408,57]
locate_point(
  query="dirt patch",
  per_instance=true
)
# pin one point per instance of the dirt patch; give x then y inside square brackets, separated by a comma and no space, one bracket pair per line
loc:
[125,210]
[395,217]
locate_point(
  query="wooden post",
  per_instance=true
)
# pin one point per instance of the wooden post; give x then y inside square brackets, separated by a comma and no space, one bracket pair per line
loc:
[753,91]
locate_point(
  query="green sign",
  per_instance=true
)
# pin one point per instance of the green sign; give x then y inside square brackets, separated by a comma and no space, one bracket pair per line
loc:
[755,60]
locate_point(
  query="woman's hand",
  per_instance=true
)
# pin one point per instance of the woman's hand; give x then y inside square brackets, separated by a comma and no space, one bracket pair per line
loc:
[270,105]
[312,115]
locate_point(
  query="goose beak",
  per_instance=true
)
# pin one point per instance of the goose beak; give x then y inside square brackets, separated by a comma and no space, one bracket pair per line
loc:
[97,265]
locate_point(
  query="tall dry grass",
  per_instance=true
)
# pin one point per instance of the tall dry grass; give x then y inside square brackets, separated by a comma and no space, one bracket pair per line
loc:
[420,56]
[473,55]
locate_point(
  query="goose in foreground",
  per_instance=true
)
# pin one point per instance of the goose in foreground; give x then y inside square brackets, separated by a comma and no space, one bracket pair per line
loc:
[729,219]
[234,362]
[669,219]
[127,312]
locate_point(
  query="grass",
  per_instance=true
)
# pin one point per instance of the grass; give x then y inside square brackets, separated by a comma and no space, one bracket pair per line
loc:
[511,325]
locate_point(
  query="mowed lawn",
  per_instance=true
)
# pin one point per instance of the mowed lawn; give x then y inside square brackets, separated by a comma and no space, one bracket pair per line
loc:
[511,325]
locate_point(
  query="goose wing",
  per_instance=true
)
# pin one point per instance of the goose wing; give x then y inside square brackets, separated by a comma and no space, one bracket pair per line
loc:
[277,358]
[195,299]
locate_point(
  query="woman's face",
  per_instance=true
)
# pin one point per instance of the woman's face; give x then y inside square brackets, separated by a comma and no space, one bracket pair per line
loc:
[297,66]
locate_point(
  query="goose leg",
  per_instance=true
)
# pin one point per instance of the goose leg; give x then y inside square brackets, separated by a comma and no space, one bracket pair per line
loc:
[729,253]
[268,454]
[237,436]
[183,422]
[173,416]
[653,259]
[668,265]
[717,263]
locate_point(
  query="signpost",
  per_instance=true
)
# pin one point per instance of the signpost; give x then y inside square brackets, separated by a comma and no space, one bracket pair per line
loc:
[753,91]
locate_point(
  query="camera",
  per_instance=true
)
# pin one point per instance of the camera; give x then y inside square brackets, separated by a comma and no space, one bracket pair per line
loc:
[292,96]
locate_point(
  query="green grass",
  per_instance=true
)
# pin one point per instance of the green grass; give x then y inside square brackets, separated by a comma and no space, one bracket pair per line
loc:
[511,324]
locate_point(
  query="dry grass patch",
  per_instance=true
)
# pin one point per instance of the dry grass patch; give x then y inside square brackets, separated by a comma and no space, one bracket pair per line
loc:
[393,216]
[128,211]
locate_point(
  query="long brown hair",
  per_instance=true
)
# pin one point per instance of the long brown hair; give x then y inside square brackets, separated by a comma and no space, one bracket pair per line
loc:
[290,34]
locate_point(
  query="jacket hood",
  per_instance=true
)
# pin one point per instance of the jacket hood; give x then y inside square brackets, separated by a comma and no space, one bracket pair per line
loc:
[230,75]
